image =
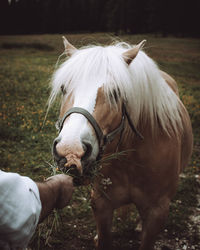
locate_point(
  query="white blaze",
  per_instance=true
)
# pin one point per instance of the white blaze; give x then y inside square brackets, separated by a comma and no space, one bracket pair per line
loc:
[76,127]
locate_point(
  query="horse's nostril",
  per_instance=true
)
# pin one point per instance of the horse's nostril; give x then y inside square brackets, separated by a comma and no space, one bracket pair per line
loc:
[87,147]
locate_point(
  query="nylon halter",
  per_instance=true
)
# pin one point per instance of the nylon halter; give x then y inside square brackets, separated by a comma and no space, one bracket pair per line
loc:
[102,139]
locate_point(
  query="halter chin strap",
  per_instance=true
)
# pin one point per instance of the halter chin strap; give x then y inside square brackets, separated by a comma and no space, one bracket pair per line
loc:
[102,139]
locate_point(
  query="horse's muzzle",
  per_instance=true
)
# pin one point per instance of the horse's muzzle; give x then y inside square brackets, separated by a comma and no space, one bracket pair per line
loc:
[72,169]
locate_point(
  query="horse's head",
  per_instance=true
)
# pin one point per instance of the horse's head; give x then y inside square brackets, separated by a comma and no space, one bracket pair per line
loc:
[91,111]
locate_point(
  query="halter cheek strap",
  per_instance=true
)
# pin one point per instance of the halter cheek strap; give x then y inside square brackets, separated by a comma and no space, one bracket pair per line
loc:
[131,124]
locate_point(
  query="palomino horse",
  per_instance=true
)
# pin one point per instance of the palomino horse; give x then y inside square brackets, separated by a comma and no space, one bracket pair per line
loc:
[115,99]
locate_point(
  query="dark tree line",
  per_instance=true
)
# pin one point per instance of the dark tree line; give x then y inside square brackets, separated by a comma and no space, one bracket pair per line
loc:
[178,17]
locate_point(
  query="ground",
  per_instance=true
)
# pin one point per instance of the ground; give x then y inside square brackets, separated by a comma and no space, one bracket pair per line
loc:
[26,65]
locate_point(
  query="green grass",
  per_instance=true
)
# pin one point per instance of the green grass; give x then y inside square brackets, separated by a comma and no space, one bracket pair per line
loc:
[26,65]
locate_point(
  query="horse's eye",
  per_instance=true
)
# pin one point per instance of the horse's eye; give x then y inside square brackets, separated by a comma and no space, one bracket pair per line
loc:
[114,95]
[63,89]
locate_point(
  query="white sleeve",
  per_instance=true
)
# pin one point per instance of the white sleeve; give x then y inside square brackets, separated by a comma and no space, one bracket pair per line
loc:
[20,208]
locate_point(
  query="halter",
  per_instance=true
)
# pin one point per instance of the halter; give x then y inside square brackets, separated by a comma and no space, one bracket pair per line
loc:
[102,139]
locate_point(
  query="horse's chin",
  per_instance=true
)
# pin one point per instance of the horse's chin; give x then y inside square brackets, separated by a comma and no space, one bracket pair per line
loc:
[88,175]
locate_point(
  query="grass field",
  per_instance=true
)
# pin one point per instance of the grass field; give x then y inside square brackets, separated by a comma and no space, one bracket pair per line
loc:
[26,65]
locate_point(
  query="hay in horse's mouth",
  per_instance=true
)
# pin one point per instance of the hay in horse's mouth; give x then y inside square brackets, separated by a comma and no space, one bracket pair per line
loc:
[93,170]
[90,171]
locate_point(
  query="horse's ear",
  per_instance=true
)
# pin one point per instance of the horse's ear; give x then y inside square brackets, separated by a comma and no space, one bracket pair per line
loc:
[130,54]
[69,48]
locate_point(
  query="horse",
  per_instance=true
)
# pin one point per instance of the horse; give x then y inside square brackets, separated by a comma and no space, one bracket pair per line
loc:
[115,99]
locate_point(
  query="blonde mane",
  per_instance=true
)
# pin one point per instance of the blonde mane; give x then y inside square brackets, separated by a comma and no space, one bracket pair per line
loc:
[140,85]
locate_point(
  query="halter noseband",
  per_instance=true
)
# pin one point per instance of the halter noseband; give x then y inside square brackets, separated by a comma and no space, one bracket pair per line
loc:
[102,139]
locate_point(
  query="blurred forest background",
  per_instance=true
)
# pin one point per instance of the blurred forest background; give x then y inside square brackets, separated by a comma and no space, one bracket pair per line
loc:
[166,17]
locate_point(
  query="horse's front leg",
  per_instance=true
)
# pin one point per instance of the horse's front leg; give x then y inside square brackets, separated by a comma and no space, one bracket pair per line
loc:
[153,220]
[103,213]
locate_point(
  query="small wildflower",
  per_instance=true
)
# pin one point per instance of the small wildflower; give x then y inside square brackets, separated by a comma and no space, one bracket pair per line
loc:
[106,181]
